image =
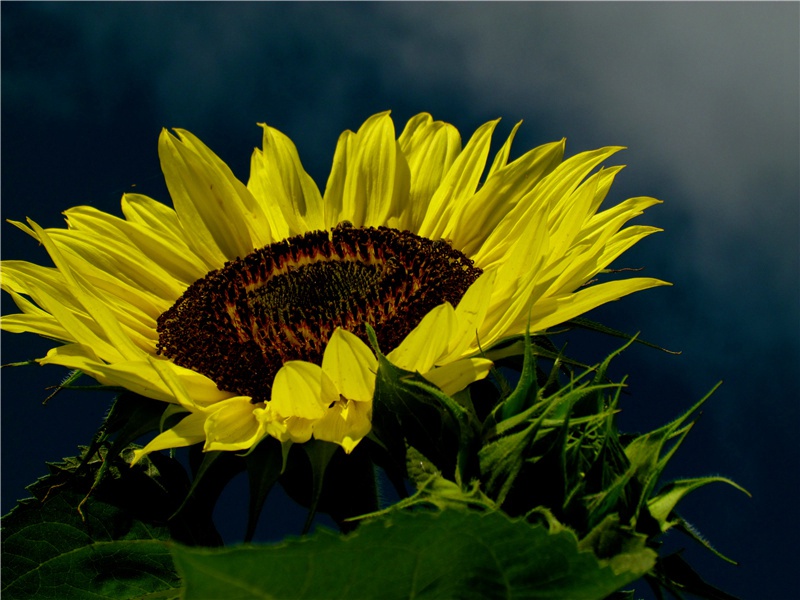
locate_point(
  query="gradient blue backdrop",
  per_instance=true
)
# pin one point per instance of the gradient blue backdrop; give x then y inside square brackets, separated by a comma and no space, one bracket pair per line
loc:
[704,95]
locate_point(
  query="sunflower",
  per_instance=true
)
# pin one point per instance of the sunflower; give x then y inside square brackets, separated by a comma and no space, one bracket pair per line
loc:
[246,307]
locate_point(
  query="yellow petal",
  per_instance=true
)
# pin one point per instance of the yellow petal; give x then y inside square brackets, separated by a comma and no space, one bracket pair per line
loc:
[168,251]
[137,376]
[351,366]
[553,311]
[477,217]
[430,148]
[454,377]
[233,426]
[470,314]
[296,390]
[190,430]
[152,214]
[33,320]
[206,197]
[346,423]
[501,158]
[427,342]
[73,317]
[279,181]
[291,429]
[378,178]
[459,184]
[171,375]
[333,200]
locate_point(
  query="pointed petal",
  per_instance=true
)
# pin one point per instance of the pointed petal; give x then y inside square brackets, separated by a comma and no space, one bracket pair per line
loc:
[104,332]
[189,431]
[279,181]
[378,178]
[32,320]
[207,198]
[136,376]
[333,200]
[427,342]
[501,158]
[478,216]
[552,311]
[190,389]
[169,252]
[150,213]
[470,314]
[459,184]
[430,148]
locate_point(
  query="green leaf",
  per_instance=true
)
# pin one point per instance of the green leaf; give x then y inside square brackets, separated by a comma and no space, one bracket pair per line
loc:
[452,554]
[62,545]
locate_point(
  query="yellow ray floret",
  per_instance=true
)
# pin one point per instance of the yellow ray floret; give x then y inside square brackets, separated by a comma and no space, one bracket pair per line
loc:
[532,229]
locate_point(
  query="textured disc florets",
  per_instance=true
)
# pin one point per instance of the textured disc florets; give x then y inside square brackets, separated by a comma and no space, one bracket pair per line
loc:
[239,324]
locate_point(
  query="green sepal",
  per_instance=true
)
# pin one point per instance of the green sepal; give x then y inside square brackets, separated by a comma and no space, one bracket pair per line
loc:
[680,524]
[212,471]
[674,574]
[323,478]
[585,323]
[22,363]
[319,455]
[514,347]
[662,505]
[527,390]
[647,454]
[409,411]
[611,537]
[130,417]
[264,463]
[468,430]
[442,494]
[532,440]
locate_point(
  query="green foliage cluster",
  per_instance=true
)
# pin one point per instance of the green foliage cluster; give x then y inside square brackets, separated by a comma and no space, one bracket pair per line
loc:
[521,489]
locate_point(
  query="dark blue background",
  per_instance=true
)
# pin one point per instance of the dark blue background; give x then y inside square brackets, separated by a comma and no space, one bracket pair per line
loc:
[704,95]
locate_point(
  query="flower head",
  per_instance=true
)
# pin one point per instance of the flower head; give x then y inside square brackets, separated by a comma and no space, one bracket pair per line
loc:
[247,306]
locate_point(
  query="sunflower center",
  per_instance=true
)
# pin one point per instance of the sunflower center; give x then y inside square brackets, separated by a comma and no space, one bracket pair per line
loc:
[239,324]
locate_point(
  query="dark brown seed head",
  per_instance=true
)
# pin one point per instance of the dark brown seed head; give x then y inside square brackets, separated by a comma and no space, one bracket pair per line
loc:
[239,324]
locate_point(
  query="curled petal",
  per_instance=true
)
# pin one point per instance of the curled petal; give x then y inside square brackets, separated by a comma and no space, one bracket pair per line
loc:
[455,376]
[351,366]
[296,391]
[233,425]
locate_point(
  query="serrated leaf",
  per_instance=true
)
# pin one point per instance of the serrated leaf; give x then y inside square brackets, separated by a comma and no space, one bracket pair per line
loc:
[122,570]
[51,550]
[452,554]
